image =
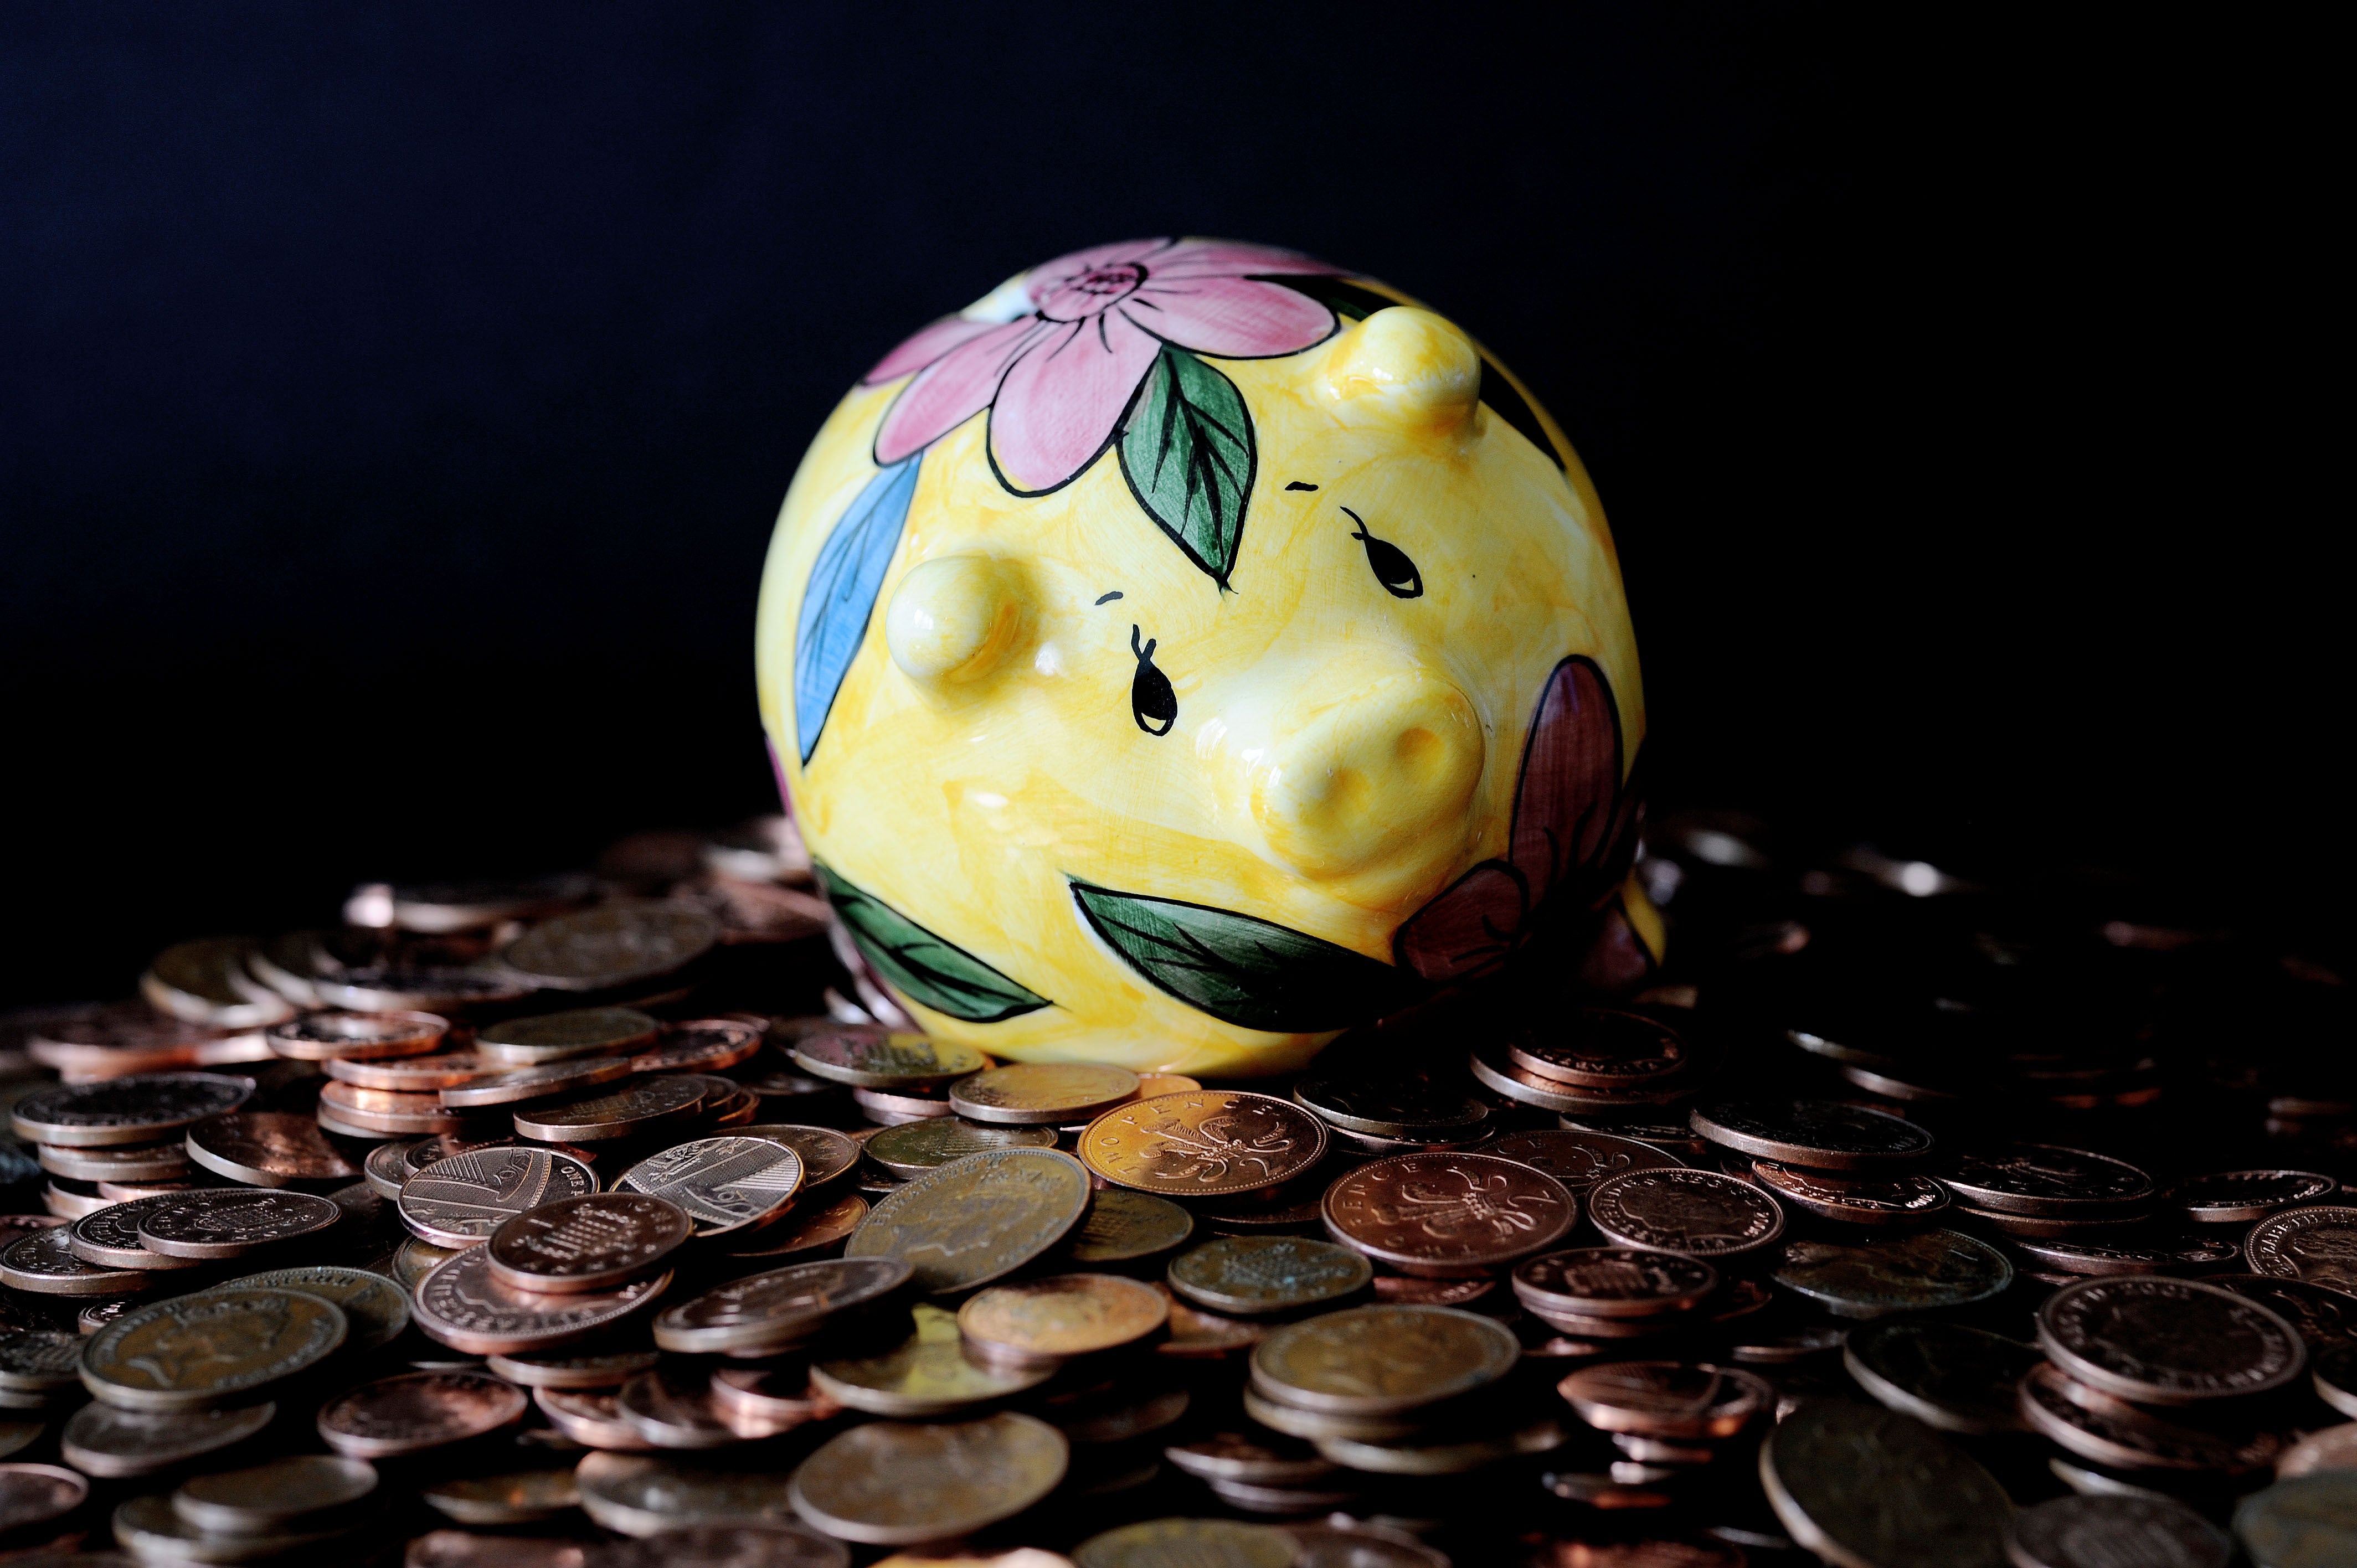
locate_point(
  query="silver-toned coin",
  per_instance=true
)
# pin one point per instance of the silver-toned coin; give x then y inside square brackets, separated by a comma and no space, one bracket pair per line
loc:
[911,1149]
[672,1407]
[2308,1521]
[1042,1093]
[644,1495]
[33,1495]
[459,1201]
[229,1222]
[827,1155]
[890,1484]
[101,1440]
[746,1546]
[139,1108]
[560,1037]
[730,1184]
[463,1306]
[2102,1531]
[210,1348]
[558,1369]
[870,1057]
[148,1529]
[118,1163]
[2238,1197]
[386,1166]
[782,1307]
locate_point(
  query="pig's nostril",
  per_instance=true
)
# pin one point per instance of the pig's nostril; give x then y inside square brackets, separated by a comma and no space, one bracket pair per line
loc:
[1373,777]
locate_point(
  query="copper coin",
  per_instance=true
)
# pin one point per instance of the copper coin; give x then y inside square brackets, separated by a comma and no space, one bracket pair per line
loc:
[1250,1276]
[1666,1399]
[1405,1290]
[267,1148]
[1491,1066]
[1035,1093]
[1854,1483]
[1943,1374]
[702,1045]
[1397,1102]
[1854,1199]
[110,1238]
[461,1200]
[868,1057]
[101,1440]
[2318,1244]
[782,1308]
[2087,1533]
[375,1309]
[417,1410]
[380,988]
[357,1037]
[1150,1084]
[233,1222]
[119,1162]
[594,1241]
[672,1407]
[371,1113]
[516,1497]
[2043,1178]
[1703,1214]
[116,1039]
[71,1199]
[204,981]
[591,1417]
[762,1401]
[1614,1282]
[913,1148]
[416,1075]
[2323,1316]
[33,1495]
[558,1369]
[1578,1159]
[616,943]
[439,907]
[1449,1215]
[1601,1049]
[2046,1226]
[139,1109]
[2240,1197]
[2095,1425]
[2187,1253]
[43,1262]
[561,1037]
[460,1305]
[1822,1135]
[1060,1316]
[1382,1360]
[1203,1143]
[806,1235]
[39,1360]
[639,1109]
[2162,1341]
[827,1155]
[539,1082]
[2334,1373]
[1122,1227]
[727,1185]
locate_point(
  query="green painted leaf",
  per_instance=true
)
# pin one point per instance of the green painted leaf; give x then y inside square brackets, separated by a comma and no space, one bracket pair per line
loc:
[1253,974]
[1188,454]
[928,971]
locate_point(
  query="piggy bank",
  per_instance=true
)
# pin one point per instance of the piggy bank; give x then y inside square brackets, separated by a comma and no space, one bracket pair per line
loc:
[1189,652]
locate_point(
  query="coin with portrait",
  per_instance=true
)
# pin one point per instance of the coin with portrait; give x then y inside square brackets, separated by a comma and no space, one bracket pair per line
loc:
[967,1224]
[1704,1214]
[2317,1243]
[891,1484]
[210,1348]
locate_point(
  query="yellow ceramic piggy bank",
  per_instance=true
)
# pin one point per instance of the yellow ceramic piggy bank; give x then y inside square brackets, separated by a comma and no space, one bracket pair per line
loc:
[1190,650]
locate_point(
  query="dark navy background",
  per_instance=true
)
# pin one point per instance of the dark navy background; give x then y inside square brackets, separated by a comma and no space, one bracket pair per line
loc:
[394,399]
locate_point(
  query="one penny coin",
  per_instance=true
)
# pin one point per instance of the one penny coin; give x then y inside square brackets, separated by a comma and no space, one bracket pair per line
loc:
[769,1312]
[1602,1048]
[417,1410]
[1578,1160]
[1448,1215]
[377,1113]
[593,1242]
[2187,1253]
[461,1200]
[2112,1432]
[120,1163]
[300,1491]
[140,1109]
[357,1037]
[639,1109]
[2044,1179]
[1491,1066]
[1251,1276]
[727,1185]
[867,1056]
[1042,1093]
[1703,1214]
[1203,1143]
[2242,1198]
[1822,1135]
[762,1401]
[375,1309]
[2154,1340]
[560,1037]
[969,1223]
[559,1369]
[518,1498]
[2323,1316]
[614,945]
[101,1440]
[33,1495]
[1895,1200]
[210,1348]
[461,1305]
[811,1235]
[672,1407]
[1062,1316]
[233,1222]
[267,1148]
[416,1075]
[1614,1282]
[2318,1244]
[110,1238]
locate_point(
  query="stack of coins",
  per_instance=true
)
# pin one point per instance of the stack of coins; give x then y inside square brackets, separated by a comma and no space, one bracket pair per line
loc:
[618,1217]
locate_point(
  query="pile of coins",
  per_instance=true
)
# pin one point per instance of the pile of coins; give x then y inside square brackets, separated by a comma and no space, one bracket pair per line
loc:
[626,1218]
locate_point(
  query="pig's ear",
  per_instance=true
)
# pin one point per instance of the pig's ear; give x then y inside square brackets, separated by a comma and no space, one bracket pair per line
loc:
[955,617]
[1405,366]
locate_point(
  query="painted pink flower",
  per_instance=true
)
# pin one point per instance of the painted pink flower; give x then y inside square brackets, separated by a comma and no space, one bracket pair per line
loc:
[1574,835]
[1059,377]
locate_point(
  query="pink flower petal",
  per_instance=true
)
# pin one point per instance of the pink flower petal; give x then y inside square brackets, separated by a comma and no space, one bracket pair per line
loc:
[923,348]
[1060,400]
[1566,813]
[952,390]
[1233,318]
[1467,928]
[1226,258]
[1042,279]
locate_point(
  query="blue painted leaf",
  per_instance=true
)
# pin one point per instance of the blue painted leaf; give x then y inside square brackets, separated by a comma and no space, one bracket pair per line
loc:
[925,968]
[1253,974]
[841,595]
[1188,454]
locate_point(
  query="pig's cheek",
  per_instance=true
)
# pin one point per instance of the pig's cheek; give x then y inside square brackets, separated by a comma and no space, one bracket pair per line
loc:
[955,618]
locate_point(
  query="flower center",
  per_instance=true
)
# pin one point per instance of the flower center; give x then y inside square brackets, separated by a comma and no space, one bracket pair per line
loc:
[1087,293]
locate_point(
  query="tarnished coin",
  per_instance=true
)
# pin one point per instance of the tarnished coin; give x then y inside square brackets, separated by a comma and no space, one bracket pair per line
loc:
[375,1309]
[888,1483]
[1060,1317]
[2112,1432]
[379,988]
[642,1495]
[518,1498]
[416,1075]
[413,1260]
[737,1546]
[1943,1374]
[461,1305]
[1666,1399]
[762,1401]
[639,1109]
[357,1037]
[868,1057]
[557,1369]
[927,1374]
[1382,1360]
[727,1185]
[801,1235]
[1862,1486]
[1578,1160]
[210,1348]
[1448,1215]
[2184,1253]
[2307,1522]
[672,1407]
[461,1200]
[1854,1199]
[518,1084]
[358,1112]
[2240,1197]
[1822,1135]
[593,1418]
[1919,1272]
[1602,1048]
[969,1223]
[782,1308]
[116,1039]
[139,1109]
[2105,1532]
[1704,1214]
[1122,1227]
[231,1223]
[1203,1143]
[43,1262]
[1233,1456]
[417,1410]
[593,1242]
[1394,1102]
[101,1440]
[1249,1276]
[913,1148]
[1614,1282]
[110,1238]
[2318,1244]
[1031,1093]
[616,943]
[827,1155]
[300,1491]
[1166,1543]
[2334,1448]
[205,981]
[33,1495]
[43,1361]
[267,1148]
[561,1037]
[2043,1178]
[2155,1340]
[121,1162]
[151,1531]
[2323,1317]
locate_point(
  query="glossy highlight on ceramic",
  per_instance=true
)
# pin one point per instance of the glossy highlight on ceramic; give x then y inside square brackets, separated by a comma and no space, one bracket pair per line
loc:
[1190,650]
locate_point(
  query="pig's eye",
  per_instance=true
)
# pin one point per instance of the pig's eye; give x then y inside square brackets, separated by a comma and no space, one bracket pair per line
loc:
[1389,562]
[1152,703]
